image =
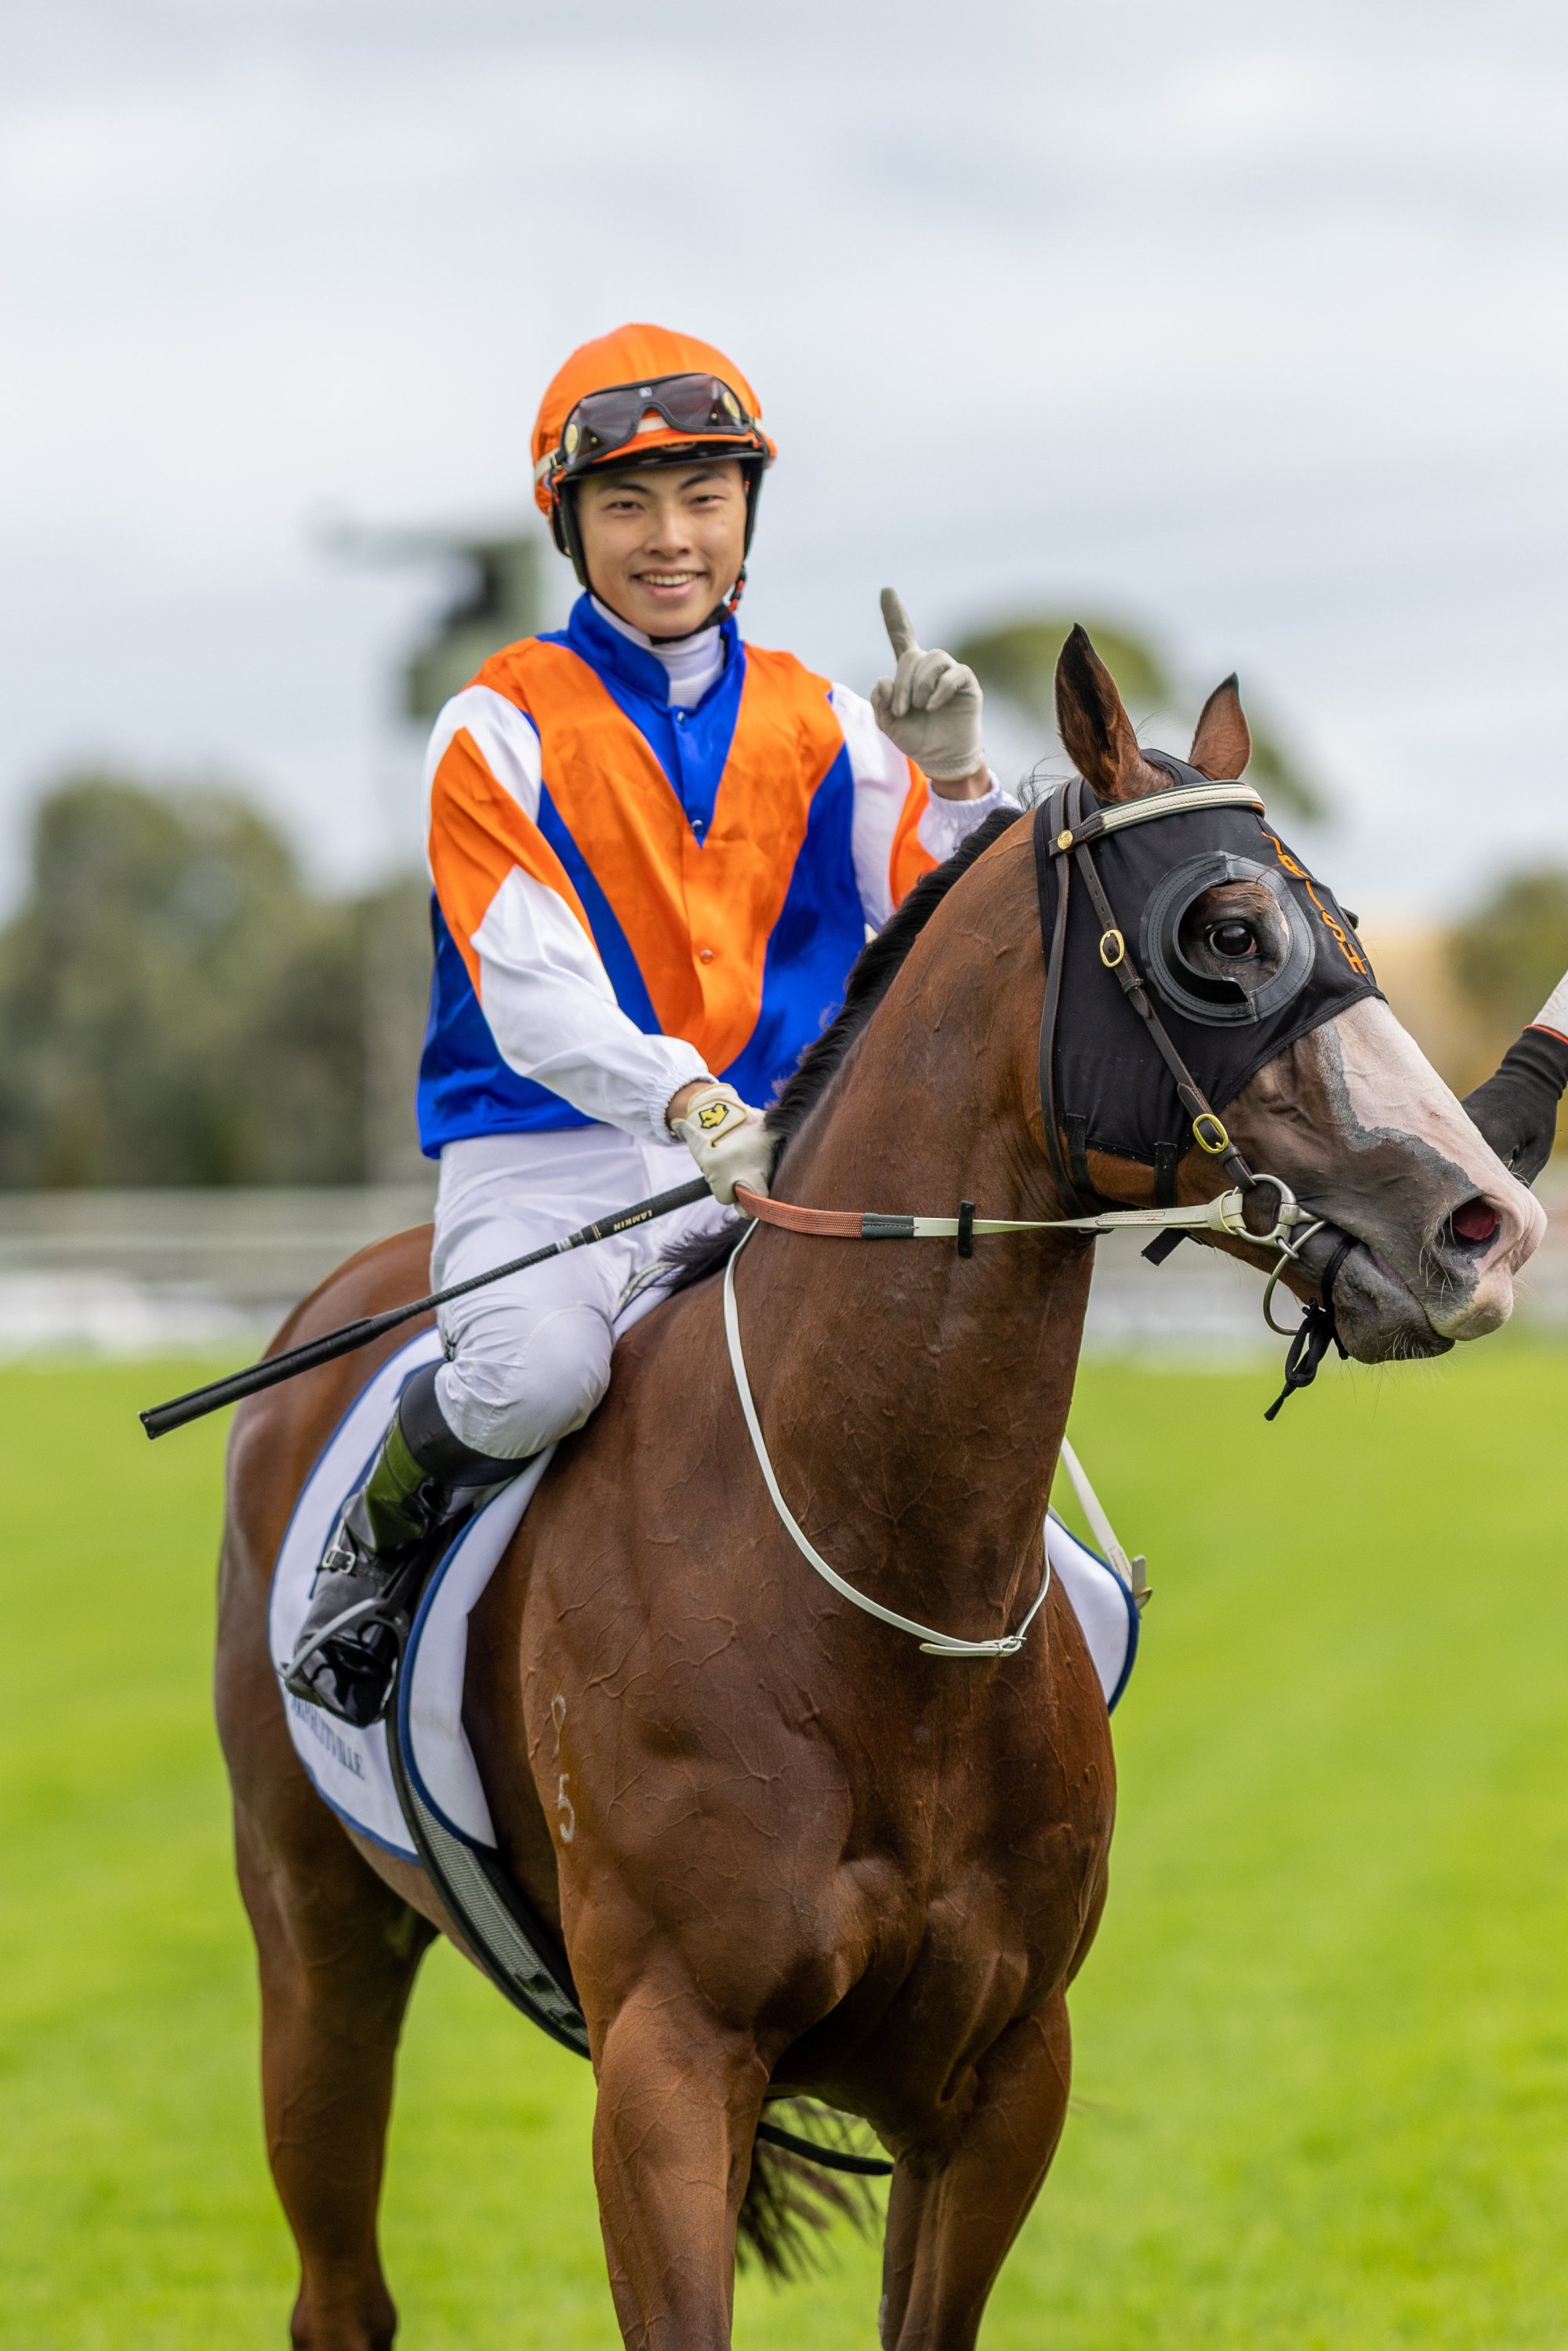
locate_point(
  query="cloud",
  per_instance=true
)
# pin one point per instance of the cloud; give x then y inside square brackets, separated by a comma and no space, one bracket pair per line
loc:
[1248,322]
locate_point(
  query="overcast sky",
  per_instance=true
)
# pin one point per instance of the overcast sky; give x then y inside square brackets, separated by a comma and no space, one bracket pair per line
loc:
[1248,325]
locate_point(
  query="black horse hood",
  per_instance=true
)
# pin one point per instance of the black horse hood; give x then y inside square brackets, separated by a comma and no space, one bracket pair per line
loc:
[1113,1091]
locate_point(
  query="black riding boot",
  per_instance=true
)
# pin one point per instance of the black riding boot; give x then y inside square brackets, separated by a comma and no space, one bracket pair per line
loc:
[423,1483]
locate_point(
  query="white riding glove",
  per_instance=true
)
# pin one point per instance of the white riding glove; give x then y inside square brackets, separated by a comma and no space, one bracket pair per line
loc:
[931,705]
[726,1138]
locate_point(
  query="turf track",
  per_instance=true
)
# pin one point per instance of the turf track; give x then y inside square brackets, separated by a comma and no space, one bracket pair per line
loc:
[1322,2045]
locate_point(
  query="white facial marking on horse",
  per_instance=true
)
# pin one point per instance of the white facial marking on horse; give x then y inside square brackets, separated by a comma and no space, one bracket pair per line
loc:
[1391,1089]
[567,1809]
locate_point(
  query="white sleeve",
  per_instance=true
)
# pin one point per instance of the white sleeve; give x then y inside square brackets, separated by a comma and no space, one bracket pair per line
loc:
[883,778]
[541,985]
[1553,1013]
[946,825]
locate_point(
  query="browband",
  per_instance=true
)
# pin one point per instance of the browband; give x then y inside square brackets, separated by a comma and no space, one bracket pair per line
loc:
[1179,802]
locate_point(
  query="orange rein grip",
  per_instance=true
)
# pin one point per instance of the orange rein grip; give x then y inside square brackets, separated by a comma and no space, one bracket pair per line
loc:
[822,1224]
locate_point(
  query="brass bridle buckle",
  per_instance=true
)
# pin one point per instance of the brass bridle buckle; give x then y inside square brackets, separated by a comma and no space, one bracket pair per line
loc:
[1113,949]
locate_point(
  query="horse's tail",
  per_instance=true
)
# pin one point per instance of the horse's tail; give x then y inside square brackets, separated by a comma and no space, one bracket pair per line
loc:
[790,2202]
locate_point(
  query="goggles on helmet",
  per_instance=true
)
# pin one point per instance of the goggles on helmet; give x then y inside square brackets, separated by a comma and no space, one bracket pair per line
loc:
[603,421]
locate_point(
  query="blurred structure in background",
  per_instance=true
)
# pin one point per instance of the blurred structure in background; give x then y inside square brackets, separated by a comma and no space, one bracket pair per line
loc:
[503,601]
[499,598]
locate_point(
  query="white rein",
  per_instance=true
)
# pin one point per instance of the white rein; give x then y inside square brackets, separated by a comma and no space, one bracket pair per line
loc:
[934,1644]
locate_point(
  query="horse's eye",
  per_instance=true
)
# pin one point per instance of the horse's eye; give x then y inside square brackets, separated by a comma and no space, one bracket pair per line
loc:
[1233,939]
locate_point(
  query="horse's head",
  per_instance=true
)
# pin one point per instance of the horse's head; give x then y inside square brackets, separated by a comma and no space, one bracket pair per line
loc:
[1267,993]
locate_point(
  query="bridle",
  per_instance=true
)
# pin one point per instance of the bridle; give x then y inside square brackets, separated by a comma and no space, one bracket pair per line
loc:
[1064,834]
[1062,831]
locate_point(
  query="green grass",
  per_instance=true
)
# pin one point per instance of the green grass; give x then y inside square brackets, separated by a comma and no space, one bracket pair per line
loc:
[1323,2044]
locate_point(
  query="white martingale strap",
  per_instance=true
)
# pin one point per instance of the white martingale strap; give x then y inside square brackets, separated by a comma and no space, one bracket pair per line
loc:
[1131,1570]
[936,1645]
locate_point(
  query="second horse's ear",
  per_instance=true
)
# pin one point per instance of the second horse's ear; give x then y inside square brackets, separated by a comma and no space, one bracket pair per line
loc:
[1096,731]
[1223,743]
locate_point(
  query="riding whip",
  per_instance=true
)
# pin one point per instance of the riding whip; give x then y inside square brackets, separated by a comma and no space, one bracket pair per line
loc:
[273,1369]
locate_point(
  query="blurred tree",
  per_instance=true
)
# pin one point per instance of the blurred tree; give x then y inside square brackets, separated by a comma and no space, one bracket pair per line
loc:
[1509,954]
[1018,659]
[176,1005]
[394,942]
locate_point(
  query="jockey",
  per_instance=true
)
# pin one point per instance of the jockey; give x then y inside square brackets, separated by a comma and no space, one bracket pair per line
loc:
[656,850]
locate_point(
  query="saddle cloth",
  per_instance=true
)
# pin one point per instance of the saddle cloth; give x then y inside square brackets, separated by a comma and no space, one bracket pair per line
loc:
[351,1769]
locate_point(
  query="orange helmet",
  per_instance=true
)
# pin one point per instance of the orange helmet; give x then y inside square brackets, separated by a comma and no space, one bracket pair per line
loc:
[643,396]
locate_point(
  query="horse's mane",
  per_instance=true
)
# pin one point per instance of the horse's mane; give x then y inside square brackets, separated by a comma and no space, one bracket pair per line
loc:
[874,969]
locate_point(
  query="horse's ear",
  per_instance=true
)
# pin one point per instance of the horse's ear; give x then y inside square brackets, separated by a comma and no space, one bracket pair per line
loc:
[1095,729]
[1222,744]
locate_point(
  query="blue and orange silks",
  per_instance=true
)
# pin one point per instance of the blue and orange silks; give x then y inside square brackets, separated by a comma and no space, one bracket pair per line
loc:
[629,895]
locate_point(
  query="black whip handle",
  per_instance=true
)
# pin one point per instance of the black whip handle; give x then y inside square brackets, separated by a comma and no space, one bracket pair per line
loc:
[160,1418]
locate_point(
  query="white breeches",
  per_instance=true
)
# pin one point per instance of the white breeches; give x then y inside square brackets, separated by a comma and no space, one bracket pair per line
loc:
[530,1357]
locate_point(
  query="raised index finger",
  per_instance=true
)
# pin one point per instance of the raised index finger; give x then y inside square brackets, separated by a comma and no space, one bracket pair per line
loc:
[900,627]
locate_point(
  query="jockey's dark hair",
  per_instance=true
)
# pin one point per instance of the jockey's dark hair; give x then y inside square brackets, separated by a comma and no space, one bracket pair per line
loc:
[874,969]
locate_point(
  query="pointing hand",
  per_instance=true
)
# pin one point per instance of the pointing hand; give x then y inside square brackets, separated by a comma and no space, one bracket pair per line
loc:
[931,705]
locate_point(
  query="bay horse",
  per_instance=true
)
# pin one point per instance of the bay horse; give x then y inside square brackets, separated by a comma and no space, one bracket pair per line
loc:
[782,1847]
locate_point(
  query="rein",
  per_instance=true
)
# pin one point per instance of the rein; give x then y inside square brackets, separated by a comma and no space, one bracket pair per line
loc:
[934,1644]
[1223,1215]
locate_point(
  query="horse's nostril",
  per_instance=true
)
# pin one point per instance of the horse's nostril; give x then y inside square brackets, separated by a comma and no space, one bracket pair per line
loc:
[1474,1224]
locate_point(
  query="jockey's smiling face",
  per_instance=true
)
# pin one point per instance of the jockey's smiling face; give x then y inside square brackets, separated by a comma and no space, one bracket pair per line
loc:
[663,545]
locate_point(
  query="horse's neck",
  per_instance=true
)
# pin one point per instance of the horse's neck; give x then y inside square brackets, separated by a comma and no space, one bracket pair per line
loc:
[914,1400]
